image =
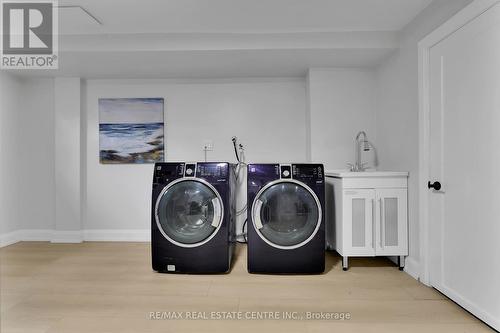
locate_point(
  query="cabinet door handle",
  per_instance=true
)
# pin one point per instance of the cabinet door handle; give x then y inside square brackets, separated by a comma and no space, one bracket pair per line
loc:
[373,224]
[382,223]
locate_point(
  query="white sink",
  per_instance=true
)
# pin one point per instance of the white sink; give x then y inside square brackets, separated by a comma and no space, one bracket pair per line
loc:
[364,174]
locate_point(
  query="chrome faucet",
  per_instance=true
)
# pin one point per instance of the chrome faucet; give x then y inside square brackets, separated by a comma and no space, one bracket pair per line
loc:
[361,140]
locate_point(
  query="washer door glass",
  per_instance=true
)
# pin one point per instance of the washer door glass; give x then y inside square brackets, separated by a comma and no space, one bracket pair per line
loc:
[188,212]
[286,214]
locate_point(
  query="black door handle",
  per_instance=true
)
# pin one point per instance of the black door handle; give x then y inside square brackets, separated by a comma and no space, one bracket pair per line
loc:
[435,185]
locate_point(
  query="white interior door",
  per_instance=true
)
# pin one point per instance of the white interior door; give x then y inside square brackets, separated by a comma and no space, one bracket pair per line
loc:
[465,159]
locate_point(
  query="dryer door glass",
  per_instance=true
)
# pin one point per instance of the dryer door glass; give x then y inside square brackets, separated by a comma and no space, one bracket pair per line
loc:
[189,212]
[287,214]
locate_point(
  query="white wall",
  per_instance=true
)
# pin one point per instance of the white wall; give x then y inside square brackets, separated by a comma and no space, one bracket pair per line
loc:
[67,160]
[36,154]
[9,149]
[27,157]
[267,115]
[397,109]
[341,103]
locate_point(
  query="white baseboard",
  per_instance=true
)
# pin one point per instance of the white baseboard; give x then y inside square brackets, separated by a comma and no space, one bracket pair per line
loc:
[32,235]
[9,238]
[67,236]
[77,236]
[472,307]
[412,267]
[35,235]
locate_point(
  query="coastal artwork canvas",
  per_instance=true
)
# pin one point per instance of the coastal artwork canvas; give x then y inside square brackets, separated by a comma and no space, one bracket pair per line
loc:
[131,130]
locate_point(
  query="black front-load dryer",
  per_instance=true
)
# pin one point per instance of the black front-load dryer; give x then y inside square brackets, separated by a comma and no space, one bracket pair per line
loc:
[286,232]
[192,217]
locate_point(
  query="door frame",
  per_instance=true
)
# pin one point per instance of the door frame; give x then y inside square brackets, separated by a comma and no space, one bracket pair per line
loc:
[459,20]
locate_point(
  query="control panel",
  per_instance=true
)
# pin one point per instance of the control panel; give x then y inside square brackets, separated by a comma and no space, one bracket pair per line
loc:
[264,170]
[212,170]
[165,172]
[308,171]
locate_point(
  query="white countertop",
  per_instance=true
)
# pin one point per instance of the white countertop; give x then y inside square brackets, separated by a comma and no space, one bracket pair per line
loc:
[364,174]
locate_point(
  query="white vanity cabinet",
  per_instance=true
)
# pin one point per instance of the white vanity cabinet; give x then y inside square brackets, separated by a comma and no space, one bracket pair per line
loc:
[367,214]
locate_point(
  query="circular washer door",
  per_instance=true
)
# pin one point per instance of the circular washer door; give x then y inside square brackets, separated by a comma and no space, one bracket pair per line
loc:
[189,212]
[286,214]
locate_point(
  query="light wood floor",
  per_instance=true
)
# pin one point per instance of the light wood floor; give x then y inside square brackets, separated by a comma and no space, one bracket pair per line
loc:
[110,287]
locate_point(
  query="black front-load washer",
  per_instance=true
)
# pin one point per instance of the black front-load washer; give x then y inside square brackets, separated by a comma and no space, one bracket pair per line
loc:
[286,232]
[192,217]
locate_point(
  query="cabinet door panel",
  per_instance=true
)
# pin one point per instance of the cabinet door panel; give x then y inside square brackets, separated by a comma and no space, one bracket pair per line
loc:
[358,232]
[358,222]
[391,228]
[391,222]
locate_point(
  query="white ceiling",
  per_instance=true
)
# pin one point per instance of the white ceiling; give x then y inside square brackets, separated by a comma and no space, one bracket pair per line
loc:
[225,38]
[242,16]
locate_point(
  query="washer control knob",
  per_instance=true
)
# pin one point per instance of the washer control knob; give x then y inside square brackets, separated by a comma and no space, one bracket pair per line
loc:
[189,172]
[286,173]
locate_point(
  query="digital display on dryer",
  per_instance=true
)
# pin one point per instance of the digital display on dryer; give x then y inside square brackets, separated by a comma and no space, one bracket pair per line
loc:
[307,171]
[264,169]
[212,170]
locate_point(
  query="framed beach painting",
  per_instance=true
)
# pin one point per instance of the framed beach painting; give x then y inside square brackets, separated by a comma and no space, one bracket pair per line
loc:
[131,130]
